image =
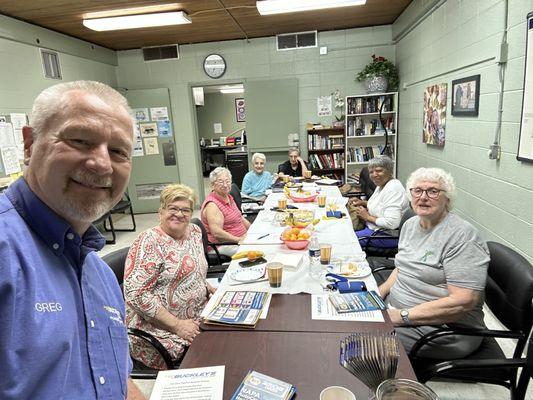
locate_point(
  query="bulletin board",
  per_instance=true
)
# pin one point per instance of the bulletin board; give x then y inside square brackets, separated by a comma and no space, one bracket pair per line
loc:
[525,142]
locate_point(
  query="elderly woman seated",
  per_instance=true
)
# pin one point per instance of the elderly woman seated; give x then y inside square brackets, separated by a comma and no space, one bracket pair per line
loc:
[385,208]
[440,273]
[165,285]
[220,215]
[256,182]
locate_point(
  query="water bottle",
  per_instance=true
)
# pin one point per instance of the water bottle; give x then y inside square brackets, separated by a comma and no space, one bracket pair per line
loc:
[314,258]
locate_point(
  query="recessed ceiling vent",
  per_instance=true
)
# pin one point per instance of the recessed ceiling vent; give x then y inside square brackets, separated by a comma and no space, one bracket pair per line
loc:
[298,40]
[161,53]
[50,61]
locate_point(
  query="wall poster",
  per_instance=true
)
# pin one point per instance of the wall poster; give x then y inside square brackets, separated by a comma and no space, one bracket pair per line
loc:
[434,129]
[525,141]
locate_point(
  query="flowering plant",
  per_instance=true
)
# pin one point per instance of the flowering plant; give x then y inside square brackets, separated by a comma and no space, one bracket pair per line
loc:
[380,66]
[339,103]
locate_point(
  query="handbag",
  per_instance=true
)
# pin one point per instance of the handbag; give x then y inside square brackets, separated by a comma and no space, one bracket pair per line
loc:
[357,223]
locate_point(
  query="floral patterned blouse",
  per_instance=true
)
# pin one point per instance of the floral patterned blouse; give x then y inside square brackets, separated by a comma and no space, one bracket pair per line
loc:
[163,272]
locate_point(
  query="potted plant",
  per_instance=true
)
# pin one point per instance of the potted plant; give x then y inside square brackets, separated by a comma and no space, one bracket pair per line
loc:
[379,75]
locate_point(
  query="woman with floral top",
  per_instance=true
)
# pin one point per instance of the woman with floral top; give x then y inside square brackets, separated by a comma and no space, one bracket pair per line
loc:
[165,283]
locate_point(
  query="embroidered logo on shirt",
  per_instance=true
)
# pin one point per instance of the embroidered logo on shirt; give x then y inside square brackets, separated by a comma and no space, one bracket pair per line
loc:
[114,314]
[427,254]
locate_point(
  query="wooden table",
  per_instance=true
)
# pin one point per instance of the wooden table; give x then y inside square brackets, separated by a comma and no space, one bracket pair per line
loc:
[308,360]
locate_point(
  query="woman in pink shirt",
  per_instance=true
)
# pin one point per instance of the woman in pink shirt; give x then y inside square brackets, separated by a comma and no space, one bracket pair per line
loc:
[220,215]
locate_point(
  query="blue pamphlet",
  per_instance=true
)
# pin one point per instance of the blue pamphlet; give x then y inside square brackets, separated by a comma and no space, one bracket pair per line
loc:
[258,386]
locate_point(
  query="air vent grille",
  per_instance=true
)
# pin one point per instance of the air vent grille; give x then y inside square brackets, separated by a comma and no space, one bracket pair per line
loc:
[50,61]
[160,53]
[298,40]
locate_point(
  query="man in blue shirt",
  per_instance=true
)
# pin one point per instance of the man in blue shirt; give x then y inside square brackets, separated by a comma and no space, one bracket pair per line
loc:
[63,334]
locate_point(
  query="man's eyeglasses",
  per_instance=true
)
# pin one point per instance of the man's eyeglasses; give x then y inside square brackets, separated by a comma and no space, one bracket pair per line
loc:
[223,182]
[187,212]
[432,193]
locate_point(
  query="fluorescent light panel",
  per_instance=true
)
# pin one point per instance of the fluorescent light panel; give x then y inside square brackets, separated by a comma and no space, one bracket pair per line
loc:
[137,21]
[232,89]
[268,7]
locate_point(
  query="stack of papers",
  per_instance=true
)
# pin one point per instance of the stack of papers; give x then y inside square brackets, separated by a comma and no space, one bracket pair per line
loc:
[263,387]
[238,309]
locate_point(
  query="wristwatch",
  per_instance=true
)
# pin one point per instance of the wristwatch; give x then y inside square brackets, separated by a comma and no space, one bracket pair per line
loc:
[404,313]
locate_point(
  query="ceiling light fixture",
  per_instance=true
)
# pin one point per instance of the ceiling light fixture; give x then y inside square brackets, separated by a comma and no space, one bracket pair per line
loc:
[268,7]
[232,89]
[137,21]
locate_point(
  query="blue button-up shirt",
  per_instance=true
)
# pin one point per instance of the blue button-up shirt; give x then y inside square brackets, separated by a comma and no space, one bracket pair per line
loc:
[62,332]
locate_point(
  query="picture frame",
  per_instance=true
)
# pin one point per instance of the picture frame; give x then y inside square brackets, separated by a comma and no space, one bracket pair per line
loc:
[240,110]
[465,96]
[525,139]
[434,119]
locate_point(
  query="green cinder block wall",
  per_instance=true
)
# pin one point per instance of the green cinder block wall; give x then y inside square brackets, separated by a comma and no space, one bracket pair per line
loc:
[459,39]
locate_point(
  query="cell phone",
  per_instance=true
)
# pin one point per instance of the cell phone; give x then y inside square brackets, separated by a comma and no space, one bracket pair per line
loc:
[248,263]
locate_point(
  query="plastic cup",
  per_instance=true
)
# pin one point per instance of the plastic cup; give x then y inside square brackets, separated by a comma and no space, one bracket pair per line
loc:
[336,393]
[325,253]
[275,274]
[282,204]
[404,389]
[307,174]
[321,200]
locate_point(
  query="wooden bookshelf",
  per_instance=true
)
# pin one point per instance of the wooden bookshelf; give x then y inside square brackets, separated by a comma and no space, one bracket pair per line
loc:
[326,149]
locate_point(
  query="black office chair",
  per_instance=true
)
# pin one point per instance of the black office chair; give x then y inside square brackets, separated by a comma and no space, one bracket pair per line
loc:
[116,261]
[249,214]
[218,263]
[373,251]
[509,293]
[121,207]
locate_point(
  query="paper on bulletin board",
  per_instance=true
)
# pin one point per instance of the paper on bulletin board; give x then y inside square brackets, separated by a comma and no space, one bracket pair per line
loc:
[7,136]
[323,106]
[149,129]
[137,142]
[159,113]
[164,128]
[141,114]
[10,160]
[151,146]
[217,127]
[18,120]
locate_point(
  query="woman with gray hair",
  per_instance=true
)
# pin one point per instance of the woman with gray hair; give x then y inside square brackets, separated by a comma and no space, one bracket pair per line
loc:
[256,182]
[220,215]
[385,208]
[441,269]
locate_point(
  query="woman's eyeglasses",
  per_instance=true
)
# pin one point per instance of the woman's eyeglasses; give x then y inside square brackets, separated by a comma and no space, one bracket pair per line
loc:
[187,212]
[223,182]
[432,193]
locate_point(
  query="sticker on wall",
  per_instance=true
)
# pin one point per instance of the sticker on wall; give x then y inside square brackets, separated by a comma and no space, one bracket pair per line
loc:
[169,156]
[240,110]
[323,104]
[159,113]
[149,191]
[149,129]
[434,129]
[151,146]
[141,114]
[137,142]
[165,129]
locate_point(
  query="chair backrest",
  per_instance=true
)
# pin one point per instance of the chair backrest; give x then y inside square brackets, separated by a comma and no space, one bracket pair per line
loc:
[117,261]
[407,214]
[205,239]
[509,288]
[367,186]
[236,194]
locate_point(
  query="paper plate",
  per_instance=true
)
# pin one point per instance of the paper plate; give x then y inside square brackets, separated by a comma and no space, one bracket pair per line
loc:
[363,269]
[248,274]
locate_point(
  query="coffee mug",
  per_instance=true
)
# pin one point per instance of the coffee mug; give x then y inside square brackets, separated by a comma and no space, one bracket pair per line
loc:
[336,393]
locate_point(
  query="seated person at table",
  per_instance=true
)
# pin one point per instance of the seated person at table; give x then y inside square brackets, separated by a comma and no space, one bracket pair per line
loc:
[294,166]
[256,182]
[440,273]
[220,215]
[386,206]
[165,285]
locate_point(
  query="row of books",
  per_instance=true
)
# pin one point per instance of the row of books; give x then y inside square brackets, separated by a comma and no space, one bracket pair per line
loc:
[359,127]
[320,142]
[362,105]
[325,161]
[363,153]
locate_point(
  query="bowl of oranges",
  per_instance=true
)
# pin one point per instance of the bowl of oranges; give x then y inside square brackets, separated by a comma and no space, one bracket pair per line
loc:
[296,238]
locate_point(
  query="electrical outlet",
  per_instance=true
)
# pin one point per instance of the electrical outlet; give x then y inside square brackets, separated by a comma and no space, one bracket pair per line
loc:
[494,152]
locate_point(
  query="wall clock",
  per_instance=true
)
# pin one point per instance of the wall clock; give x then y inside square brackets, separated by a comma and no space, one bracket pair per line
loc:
[214,66]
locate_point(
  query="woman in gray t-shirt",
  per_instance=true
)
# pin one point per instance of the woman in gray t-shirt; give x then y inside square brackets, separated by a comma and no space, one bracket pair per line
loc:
[441,269]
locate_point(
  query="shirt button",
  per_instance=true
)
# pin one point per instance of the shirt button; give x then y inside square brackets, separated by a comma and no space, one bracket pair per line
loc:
[92,323]
[102,380]
[55,246]
[70,236]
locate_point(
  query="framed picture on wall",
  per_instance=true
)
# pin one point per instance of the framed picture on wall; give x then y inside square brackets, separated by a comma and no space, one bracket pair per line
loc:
[465,96]
[434,129]
[240,110]
[525,141]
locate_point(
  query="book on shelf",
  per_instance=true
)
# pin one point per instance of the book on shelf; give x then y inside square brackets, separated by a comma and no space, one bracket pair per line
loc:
[369,104]
[258,386]
[238,308]
[357,302]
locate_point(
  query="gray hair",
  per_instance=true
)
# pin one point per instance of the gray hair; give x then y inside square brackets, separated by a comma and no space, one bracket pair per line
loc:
[437,175]
[382,161]
[258,155]
[294,149]
[51,101]
[213,176]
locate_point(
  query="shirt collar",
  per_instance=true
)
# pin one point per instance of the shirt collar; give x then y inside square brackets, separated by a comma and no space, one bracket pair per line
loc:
[50,227]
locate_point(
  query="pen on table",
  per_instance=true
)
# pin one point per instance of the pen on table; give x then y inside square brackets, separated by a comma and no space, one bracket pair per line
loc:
[264,236]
